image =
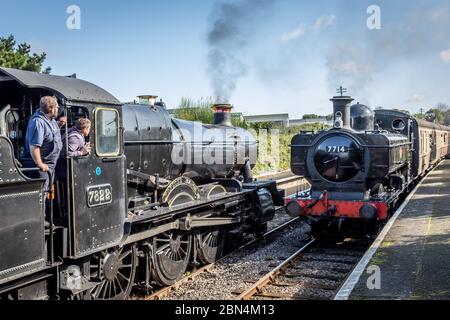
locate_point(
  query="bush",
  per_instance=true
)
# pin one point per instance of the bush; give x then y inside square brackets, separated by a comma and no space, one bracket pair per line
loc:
[271,164]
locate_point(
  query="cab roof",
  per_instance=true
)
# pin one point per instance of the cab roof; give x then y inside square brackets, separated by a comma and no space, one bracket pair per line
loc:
[71,89]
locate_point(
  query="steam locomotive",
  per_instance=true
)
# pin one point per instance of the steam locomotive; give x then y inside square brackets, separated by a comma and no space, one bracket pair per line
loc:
[363,167]
[156,194]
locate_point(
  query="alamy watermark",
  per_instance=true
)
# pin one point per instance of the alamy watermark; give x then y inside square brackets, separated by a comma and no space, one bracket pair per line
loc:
[73,278]
[374,20]
[374,279]
[217,146]
[73,21]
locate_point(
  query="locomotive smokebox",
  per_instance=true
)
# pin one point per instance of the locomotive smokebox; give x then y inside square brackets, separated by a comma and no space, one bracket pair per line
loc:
[341,111]
[222,114]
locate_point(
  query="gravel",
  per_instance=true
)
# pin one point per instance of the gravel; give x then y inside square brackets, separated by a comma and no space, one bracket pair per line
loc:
[280,217]
[237,272]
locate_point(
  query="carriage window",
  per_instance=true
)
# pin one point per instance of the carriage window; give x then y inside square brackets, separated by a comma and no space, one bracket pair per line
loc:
[107,132]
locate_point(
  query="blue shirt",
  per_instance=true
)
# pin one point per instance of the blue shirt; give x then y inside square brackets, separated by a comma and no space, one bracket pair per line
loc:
[43,133]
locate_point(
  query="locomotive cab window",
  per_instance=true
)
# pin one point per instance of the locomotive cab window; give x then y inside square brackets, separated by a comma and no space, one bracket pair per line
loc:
[107,139]
[398,125]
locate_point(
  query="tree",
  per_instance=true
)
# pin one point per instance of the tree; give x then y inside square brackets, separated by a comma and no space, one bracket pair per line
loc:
[20,56]
[443,106]
[435,115]
[447,118]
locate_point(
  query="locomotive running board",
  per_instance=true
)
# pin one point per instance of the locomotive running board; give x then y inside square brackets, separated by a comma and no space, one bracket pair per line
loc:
[184,224]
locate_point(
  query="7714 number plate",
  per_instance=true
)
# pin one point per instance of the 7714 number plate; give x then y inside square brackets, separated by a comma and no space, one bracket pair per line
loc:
[99,195]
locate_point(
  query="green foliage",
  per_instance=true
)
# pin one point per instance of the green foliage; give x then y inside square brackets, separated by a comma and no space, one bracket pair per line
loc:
[420,116]
[20,56]
[270,163]
[440,114]
[199,110]
[262,125]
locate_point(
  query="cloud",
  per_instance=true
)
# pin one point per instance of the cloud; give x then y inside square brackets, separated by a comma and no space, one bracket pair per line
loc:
[445,56]
[415,38]
[416,98]
[324,22]
[351,67]
[321,23]
[294,34]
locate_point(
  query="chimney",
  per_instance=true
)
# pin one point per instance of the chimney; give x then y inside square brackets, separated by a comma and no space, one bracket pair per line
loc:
[222,114]
[341,110]
[147,99]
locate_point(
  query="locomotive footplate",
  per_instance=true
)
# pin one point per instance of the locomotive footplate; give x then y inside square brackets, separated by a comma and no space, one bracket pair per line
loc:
[165,212]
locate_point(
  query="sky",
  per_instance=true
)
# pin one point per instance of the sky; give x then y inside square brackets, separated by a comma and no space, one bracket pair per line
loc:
[263,56]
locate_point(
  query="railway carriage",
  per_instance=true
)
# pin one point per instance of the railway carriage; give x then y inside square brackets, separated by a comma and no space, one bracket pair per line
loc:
[126,216]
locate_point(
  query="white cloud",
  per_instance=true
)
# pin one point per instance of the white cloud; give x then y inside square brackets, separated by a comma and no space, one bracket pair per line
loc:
[445,56]
[294,34]
[416,98]
[321,23]
[324,22]
[351,67]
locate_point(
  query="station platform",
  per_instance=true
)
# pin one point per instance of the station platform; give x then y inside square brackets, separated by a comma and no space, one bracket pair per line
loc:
[412,254]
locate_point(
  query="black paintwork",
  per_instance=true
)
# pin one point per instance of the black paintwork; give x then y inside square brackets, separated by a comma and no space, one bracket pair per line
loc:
[21,219]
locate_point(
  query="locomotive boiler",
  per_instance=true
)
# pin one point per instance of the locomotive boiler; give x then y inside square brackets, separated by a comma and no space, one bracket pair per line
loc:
[361,169]
[158,145]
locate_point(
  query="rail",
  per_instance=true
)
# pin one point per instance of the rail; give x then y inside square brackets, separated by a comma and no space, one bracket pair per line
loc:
[269,277]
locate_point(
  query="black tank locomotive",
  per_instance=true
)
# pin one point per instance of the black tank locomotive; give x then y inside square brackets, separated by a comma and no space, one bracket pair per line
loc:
[361,168]
[126,215]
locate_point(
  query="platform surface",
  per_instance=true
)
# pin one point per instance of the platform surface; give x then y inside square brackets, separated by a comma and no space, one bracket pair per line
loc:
[414,256]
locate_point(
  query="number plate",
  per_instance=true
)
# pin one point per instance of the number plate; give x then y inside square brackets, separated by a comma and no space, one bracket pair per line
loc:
[99,195]
[337,149]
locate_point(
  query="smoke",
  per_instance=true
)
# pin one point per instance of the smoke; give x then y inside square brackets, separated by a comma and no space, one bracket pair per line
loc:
[419,37]
[231,32]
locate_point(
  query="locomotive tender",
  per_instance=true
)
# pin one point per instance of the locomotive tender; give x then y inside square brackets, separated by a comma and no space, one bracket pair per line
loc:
[360,169]
[126,215]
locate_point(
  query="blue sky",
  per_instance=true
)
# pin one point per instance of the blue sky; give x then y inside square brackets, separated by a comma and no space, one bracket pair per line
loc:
[292,53]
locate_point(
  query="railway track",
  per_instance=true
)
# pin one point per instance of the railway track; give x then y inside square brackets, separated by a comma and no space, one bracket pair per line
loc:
[190,277]
[315,272]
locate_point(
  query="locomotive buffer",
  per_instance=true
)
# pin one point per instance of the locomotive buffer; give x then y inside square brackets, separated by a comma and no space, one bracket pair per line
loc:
[410,258]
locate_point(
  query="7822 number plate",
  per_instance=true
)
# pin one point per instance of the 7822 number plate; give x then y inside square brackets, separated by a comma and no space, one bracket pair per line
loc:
[99,195]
